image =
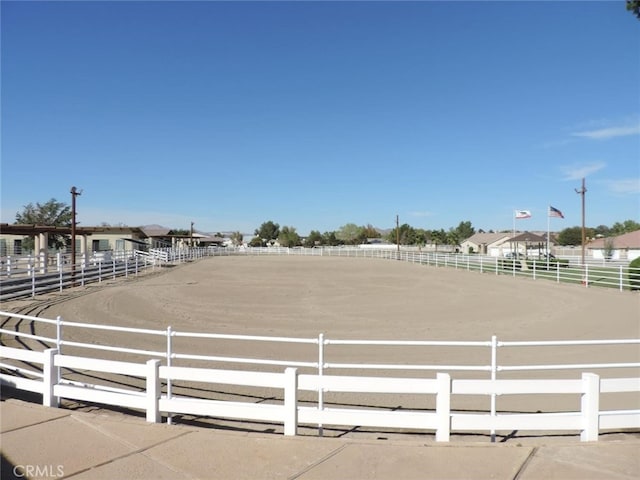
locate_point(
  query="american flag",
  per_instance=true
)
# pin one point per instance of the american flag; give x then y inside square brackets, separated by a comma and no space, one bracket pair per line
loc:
[554,212]
[523,214]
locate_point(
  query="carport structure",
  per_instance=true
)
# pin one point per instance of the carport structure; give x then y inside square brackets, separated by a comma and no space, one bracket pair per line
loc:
[528,239]
[42,233]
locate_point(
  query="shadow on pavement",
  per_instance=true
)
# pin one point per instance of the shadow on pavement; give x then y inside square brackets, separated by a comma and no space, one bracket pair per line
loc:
[8,471]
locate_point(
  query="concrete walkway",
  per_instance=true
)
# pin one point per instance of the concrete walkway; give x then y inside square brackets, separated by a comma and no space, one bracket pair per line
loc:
[40,442]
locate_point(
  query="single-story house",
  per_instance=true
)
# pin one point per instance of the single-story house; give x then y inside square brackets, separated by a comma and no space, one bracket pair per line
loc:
[500,244]
[88,239]
[485,243]
[161,237]
[621,247]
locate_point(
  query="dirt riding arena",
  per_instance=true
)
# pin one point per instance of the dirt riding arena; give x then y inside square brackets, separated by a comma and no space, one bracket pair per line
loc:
[358,298]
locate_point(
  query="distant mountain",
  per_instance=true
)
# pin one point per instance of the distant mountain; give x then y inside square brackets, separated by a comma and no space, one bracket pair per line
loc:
[154,227]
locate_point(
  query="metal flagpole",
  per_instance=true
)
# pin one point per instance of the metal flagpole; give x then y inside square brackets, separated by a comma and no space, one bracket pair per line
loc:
[548,233]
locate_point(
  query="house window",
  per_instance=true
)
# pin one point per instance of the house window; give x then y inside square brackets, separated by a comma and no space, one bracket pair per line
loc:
[100,245]
[17,247]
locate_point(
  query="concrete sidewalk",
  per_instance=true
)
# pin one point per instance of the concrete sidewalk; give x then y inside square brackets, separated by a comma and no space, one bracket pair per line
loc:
[40,442]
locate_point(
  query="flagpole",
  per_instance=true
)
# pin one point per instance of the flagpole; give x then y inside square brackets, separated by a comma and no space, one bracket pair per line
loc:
[548,233]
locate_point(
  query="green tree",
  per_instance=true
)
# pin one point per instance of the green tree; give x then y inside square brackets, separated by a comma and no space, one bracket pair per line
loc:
[422,236]
[49,214]
[268,231]
[330,238]
[634,274]
[452,237]
[464,230]
[369,231]
[350,234]
[609,247]
[256,242]
[407,235]
[439,237]
[288,237]
[236,238]
[602,231]
[573,236]
[314,238]
[634,6]
[625,227]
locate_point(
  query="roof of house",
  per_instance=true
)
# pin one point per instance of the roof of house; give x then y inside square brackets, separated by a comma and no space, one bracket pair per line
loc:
[626,240]
[529,237]
[28,229]
[155,231]
[486,238]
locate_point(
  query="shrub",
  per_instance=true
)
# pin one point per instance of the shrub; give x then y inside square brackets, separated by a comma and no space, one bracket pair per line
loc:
[634,274]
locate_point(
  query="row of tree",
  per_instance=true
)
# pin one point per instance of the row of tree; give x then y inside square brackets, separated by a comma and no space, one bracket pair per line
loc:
[54,213]
[351,234]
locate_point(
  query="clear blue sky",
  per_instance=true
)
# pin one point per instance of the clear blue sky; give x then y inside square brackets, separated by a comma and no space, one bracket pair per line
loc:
[318,114]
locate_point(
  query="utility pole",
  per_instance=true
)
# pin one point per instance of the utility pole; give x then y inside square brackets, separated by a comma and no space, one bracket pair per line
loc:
[74,194]
[581,192]
[398,234]
[191,236]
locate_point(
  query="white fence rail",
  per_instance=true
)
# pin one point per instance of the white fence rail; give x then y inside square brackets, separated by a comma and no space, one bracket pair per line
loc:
[29,276]
[25,276]
[311,375]
[588,420]
[21,265]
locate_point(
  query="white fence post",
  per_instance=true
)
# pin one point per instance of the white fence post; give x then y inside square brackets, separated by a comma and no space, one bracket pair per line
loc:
[153,391]
[494,369]
[585,279]
[443,407]
[590,407]
[291,401]
[50,378]
[621,278]
[169,353]
[32,272]
[320,373]
[42,261]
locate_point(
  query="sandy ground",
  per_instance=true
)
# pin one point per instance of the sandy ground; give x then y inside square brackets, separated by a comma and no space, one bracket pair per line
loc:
[356,298]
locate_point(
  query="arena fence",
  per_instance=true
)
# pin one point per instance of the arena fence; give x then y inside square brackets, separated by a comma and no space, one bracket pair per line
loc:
[43,361]
[27,276]
[563,270]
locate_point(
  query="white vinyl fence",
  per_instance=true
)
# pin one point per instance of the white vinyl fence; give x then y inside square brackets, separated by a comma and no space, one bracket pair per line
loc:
[566,270]
[23,277]
[42,370]
[29,276]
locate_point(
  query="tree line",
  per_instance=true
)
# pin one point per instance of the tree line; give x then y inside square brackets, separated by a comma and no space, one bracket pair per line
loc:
[58,214]
[351,234]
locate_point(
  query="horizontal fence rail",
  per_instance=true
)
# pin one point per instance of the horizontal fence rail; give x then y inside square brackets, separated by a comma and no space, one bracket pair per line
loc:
[25,276]
[30,276]
[42,364]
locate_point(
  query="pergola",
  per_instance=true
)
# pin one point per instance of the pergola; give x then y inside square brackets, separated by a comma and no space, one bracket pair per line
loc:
[528,239]
[40,235]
